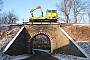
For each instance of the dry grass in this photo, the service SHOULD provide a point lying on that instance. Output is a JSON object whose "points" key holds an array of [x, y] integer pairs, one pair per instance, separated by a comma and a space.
{"points": [[78, 33]]}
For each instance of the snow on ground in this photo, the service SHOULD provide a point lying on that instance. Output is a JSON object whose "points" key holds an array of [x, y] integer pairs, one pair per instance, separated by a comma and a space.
{"points": [[8, 37], [69, 57], [7, 57], [4, 42], [85, 46], [42, 50]]}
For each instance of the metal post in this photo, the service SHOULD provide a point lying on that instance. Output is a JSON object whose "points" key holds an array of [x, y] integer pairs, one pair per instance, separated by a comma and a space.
{"points": [[23, 21], [32, 22]]}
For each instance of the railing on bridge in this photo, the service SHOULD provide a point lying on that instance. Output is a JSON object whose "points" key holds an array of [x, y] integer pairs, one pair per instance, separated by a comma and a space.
{"points": [[26, 21]]}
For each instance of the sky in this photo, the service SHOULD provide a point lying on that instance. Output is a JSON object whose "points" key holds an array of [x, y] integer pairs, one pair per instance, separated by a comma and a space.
{"points": [[22, 7]]}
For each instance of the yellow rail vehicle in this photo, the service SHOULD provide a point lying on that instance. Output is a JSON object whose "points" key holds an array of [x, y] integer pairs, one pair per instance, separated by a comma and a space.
{"points": [[51, 15]]}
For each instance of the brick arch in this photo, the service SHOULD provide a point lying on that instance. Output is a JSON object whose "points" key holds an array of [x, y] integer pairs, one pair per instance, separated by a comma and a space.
{"points": [[47, 35], [44, 33]]}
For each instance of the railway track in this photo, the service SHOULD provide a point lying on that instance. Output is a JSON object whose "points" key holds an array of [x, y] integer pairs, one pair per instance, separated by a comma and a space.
{"points": [[38, 23]]}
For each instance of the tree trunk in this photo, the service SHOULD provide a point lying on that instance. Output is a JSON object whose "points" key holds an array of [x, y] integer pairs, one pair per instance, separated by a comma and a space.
{"points": [[67, 18], [75, 18]]}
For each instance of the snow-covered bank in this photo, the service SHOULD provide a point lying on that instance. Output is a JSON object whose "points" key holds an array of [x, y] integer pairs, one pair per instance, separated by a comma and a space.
{"points": [[85, 46], [7, 57], [4, 42], [69, 57], [9, 34]]}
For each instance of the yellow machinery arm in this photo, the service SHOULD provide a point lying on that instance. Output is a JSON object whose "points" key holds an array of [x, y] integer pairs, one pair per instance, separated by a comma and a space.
{"points": [[37, 7]]}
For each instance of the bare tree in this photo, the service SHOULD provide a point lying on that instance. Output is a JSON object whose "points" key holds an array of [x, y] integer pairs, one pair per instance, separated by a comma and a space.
{"points": [[65, 7], [79, 8], [75, 8], [1, 5], [4, 19], [12, 18], [9, 18]]}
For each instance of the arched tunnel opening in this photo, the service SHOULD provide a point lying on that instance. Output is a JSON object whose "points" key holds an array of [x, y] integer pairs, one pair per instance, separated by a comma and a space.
{"points": [[40, 42]]}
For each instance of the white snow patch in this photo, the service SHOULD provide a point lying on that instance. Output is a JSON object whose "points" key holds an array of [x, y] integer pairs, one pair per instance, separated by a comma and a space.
{"points": [[69, 57], [85, 46], [60, 58], [81, 24], [7, 57], [42, 50]]}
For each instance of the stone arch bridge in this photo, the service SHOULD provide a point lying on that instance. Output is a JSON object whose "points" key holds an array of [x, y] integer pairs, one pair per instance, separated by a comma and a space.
{"points": [[58, 40]]}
